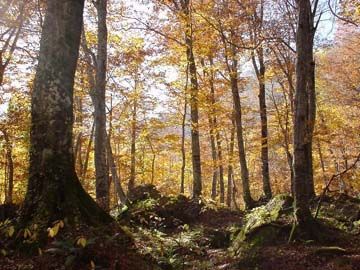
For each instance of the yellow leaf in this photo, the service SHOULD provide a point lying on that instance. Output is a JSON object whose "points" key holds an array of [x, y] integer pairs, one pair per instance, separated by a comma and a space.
{"points": [[40, 251], [11, 231], [54, 230], [3, 252], [81, 242]]}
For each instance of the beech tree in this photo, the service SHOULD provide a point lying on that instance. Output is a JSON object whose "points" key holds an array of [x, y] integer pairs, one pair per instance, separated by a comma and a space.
{"points": [[305, 109], [54, 191]]}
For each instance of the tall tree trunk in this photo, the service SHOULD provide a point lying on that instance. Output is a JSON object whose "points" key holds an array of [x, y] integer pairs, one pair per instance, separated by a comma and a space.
{"points": [[214, 159], [284, 127], [303, 127], [54, 191], [10, 168], [212, 121], [217, 133], [152, 160], [194, 106], [220, 165], [131, 184], [87, 154], [115, 176], [249, 203], [183, 150], [231, 187], [260, 73], [102, 177]]}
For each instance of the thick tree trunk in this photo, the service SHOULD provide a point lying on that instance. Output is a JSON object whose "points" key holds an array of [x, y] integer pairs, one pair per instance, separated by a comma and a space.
{"points": [[102, 177], [54, 191], [302, 126]]}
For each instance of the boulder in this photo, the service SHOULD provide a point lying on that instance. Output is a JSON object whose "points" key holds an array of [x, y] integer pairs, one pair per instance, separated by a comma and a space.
{"points": [[263, 224]]}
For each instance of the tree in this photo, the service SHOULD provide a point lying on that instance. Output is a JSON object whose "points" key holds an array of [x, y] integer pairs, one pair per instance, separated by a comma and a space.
{"points": [[98, 98], [304, 114], [258, 60], [10, 35], [54, 191], [194, 89]]}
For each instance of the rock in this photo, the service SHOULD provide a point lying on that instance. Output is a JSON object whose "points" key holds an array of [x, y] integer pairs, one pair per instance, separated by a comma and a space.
{"points": [[263, 224], [342, 211], [218, 238], [182, 208], [144, 192]]}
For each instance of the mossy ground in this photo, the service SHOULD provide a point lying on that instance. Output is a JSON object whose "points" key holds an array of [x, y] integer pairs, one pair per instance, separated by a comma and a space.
{"points": [[159, 232]]}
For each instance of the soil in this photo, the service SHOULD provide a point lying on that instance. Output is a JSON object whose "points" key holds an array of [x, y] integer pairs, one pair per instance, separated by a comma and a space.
{"points": [[159, 232]]}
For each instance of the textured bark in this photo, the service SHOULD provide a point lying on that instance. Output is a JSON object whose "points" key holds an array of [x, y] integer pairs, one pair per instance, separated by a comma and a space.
{"points": [[194, 107], [102, 177], [303, 128], [54, 191]]}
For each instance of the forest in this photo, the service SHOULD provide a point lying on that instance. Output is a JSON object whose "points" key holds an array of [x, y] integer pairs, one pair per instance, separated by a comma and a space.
{"points": [[180, 134]]}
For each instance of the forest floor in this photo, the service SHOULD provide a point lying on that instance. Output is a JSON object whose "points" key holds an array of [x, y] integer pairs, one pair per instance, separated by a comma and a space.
{"points": [[173, 232]]}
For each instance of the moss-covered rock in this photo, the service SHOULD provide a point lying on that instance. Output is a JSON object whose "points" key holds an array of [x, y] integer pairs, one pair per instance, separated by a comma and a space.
{"points": [[263, 224], [342, 211]]}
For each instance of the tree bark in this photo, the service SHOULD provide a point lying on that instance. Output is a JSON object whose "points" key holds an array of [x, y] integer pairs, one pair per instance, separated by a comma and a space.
{"points": [[183, 152], [249, 202], [131, 184], [102, 177], [54, 191], [260, 73], [10, 168], [303, 128], [115, 176], [231, 187], [194, 110], [87, 154]]}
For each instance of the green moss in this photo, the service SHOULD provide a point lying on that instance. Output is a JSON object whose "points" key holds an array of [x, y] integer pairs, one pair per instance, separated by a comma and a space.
{"points": [[259, 227]]}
